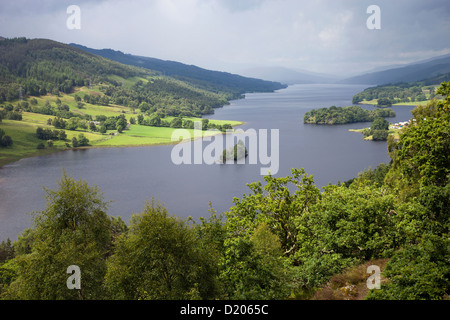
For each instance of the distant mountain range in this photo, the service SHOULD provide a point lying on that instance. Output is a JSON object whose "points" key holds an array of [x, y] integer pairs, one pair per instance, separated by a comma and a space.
{"points": [[432, 68], [272, 78], [289, 76], [19, 56], [417, 71]]}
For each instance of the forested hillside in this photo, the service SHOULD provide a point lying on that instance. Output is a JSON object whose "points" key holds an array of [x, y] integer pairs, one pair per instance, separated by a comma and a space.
{"points": [[286, 239], [37, 67], [412, 72], [406, 92], [231, 84]]}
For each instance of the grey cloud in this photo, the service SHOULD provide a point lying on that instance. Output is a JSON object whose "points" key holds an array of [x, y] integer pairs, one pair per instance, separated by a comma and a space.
{"points": [[241, 5], [327, 36]]}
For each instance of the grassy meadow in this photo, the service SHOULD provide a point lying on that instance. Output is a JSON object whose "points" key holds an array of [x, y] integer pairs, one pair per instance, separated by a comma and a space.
{"points": [[23, 133], [415, 103]]}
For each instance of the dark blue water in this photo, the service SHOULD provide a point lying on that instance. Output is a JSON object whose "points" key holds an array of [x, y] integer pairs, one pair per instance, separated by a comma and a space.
{"points": [[130, 176]]}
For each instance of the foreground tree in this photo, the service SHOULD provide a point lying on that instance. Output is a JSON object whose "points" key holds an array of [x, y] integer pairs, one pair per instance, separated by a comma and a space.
{"points": [[420, 162], [281, 203], [417, 272], [254, 266], [268, 218], [419, 175], [73, 230], [160, 257]]}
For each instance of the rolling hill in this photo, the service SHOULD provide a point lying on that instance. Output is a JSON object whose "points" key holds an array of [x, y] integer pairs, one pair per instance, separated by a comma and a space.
{"points": [[412, 72], [35, 67], [216, 81], [415, 92], [289, 76]]}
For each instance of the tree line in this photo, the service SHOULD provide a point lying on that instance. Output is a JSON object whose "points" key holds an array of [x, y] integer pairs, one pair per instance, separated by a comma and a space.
{"points": [[157, 120], [379, 129], [342, 115], [232, 86]]}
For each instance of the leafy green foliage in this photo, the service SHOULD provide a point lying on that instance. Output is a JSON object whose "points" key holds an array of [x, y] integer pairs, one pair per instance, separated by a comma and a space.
{"points": [[5, 140], [355, 222], [421, 157], [46, 134], [380, 135], [6, 250], [379, 129], [372, 176], [82, 140], [417, 272], [379, 124], [384, 102], [8, 274], [159, 258], [420, 177], [254, 267], [275, 205], [72, 230]]}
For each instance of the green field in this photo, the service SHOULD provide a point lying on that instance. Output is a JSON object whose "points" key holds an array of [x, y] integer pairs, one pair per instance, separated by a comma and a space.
{"points": [[394, 132], [25, 141], [139, 135], [415, 103], [23, 133]]}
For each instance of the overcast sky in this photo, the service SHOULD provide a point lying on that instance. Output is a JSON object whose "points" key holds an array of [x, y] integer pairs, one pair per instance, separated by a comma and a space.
{"points": [[326, 36]]}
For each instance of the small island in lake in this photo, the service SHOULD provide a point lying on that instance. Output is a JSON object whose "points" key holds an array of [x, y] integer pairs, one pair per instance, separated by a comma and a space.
{"points": [[378, 130], [238, 151], [343, 115]]}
